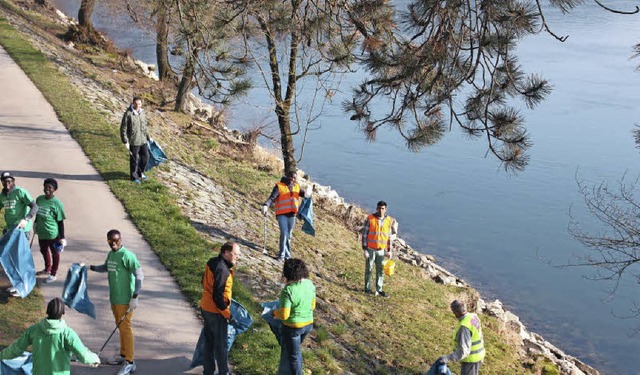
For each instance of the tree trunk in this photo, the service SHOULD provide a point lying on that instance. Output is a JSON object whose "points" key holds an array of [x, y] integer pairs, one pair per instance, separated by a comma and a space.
{"points": [[85, 13], [186, 83], [162, 41], [286, 139]]}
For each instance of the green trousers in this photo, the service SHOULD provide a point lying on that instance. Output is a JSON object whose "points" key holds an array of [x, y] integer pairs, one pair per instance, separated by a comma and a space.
{"points": [[377, 257]]}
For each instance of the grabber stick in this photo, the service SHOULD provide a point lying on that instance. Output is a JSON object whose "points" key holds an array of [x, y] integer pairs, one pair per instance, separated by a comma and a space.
{"points": [[114, 331], [264, 248]]}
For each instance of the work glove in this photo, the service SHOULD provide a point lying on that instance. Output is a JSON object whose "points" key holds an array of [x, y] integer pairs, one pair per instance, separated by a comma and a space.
{"points": [[133, 303], [150, 139], [265, 209], [63, 242], [366, 254], [126, 145], [389, 254], [92, 267], [308, 191], [22, 224]]}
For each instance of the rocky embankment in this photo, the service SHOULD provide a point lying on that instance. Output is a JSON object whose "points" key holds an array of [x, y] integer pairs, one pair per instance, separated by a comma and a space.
{"points": [[221, 213]]}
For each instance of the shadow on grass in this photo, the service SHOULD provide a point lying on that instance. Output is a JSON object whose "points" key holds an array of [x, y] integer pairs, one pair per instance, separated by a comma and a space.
{"points": [[217, 232]]}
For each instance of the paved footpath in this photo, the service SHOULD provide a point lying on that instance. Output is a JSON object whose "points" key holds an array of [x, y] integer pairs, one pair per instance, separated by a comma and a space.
{"points": [[35, 145]]}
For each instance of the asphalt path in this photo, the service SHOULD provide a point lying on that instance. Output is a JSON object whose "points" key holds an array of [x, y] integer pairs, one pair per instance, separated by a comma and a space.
{"points": [[34, 145]]}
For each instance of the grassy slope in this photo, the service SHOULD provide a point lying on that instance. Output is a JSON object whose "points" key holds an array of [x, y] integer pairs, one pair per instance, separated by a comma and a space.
{"points": [[354, 332]]}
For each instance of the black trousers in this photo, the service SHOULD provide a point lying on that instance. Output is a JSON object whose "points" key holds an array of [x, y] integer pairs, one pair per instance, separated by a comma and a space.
{"points": [[138, 159]]}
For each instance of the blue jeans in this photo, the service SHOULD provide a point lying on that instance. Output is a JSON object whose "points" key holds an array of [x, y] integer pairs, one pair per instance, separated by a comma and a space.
{"points": [[290, 351], [286, 224], [215, 344]]}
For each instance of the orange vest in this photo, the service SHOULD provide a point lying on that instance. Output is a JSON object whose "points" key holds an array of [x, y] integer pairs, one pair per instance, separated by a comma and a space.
{"points": [[378, 236], [287, 201]]}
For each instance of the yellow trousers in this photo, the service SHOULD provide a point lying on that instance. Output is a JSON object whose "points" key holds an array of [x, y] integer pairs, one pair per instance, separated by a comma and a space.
{"points": [[126, 330]]}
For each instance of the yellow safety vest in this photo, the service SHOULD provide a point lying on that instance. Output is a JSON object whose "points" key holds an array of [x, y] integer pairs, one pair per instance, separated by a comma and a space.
{"points": [[378, 236], [287, 201], [472, 323]]}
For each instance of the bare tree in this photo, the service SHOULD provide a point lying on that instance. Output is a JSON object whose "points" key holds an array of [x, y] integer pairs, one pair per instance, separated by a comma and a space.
{"points": [[295, 40], [614, 250], [617, 246], [85, 13], [162, 27], [455, 62], [205, 28], [153, 16]]}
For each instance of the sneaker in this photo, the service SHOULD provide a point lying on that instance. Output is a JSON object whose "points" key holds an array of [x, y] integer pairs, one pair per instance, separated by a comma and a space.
{"points": [[117, 359], [50, 279], [144, 177], [368, 291], [13, 292], [43, 272], [137, 181], [382, 294], [127, 368]]}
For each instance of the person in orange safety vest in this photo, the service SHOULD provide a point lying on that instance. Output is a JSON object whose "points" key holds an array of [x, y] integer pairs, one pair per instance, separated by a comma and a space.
{"points": [[378, 232], [285, 196]]}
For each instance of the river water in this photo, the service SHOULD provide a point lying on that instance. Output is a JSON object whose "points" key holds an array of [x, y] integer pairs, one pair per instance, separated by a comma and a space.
{"points": [[496, 230]]}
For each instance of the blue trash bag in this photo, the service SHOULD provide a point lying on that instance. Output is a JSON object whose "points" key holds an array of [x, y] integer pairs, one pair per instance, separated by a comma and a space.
{"points": [[267, 314], [74, 292], [242, 320], [22, 365], [156, 155], [439, 368], [305, 213], [16, 259]]}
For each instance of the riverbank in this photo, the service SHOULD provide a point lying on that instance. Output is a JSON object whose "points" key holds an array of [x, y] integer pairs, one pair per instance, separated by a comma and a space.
{"points": [[218, 181]]}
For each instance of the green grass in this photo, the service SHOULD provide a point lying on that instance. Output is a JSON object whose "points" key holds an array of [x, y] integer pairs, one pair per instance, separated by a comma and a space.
{"points": [[355, 332]]}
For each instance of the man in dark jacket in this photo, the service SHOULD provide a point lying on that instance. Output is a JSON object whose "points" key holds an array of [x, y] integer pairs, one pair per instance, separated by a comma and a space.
{"points": [[215, 304], [134, 134]]}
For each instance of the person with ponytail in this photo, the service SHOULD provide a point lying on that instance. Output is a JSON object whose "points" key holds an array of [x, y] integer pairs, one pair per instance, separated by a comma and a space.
{"points": [[52, 342]]}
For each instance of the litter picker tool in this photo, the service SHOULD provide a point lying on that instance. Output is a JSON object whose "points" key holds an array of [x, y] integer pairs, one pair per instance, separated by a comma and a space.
{"points": [[264, 248], [114, 331]]}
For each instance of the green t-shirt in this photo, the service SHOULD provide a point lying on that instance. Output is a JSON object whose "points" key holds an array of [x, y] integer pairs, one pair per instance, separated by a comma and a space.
{"points": [[50, 211], [16, 207], [299, 298], [121, 265]]}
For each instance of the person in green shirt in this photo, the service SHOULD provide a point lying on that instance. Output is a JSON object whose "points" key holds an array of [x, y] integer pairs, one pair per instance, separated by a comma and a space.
{"points": [[49, 226], [19, 208], [297, 302], [52, 343], [125, 283]]}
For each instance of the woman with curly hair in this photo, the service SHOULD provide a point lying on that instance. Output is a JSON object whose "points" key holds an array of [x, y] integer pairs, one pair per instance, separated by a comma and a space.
{"points": [[297, 302]]}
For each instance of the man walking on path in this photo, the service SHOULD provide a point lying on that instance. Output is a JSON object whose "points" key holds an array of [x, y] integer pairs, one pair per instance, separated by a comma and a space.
{"points": [[52, 342], [49, 226], [376, 244], [215, 304], [286, 196], [467, 340], [125, 283], [134, 134]]}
